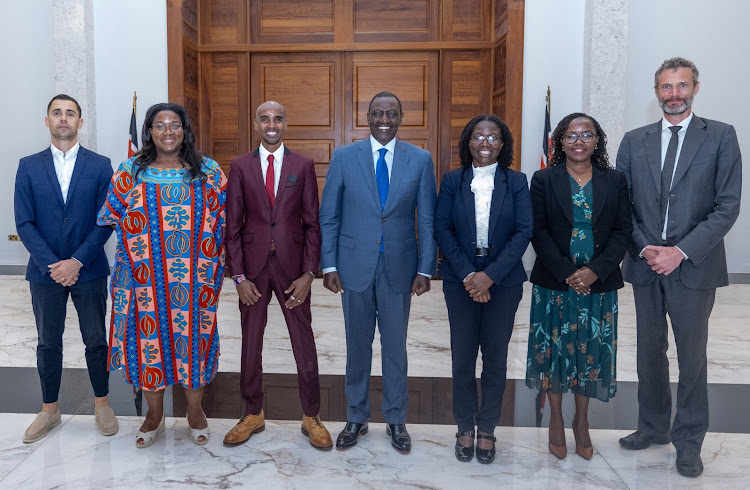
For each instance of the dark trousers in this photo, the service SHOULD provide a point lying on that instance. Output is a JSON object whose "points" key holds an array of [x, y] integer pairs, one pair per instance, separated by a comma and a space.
{"points": [[688, 310], [49, 303], [299, 323], [391, 311], [473, 326]]}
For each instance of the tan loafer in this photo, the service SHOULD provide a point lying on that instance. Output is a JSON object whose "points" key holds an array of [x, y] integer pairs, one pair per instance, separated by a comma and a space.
{"points": [[41, 426], [106, 422], [314, 429], [248, 425]]}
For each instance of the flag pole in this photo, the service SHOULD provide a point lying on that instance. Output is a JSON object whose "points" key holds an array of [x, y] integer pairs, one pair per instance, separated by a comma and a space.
{"points": [[135, 97], [548, 99]]}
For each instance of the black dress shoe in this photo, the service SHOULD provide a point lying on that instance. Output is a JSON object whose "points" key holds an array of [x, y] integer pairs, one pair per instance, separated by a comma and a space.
{"points": [[689, 463], [641, 440], [350, 435], [486, 456], [464, 453], [400, 439]]}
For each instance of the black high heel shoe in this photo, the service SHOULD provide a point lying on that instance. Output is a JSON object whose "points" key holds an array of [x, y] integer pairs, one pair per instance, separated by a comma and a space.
{"points": [[486, 456], [464, 453]]}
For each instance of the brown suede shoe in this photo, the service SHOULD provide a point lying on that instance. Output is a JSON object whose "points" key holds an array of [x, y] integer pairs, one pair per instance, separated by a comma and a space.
{"points": [[319, 436], [41, 426], [248, 425]]}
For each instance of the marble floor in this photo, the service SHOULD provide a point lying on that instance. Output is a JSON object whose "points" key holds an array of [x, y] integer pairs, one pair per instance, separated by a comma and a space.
{"points": [[75, 455], [428, 340]]}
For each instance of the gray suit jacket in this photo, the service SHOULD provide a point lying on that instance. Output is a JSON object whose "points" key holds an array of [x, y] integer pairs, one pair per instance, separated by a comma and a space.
{"points": [[704, 203], [352, 222]]}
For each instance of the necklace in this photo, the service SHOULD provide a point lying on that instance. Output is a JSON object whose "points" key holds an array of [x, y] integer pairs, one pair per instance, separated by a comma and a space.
{"points": [[579, 178]]}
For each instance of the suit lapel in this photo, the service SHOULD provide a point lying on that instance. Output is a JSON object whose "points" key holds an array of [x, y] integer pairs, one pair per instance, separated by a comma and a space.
{"points": [[693, 141], [601, 189], [77, 171], [466, 176], [257, 176], [366, 165], [49, 164], [286, 168], [398, 170], [652, 145], [561, 188], [498, 195]]}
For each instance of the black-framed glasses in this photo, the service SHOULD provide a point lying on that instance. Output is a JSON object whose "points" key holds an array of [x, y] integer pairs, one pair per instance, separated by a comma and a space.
{"points": [[571, 138], [175, 127], [479, 138], [377, 114]]}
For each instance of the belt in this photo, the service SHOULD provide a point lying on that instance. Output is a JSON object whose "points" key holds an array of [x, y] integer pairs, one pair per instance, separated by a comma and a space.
{"points": [[483, 251]]}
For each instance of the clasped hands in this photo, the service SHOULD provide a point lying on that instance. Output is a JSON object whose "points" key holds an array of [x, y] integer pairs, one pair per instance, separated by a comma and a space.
{"points": [[297, 291], [663, 260], [581, 280], [419, 286], [65, 272], [477, 284]]}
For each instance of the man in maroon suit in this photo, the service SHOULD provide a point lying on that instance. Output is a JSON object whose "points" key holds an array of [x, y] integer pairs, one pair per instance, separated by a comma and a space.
{"points": [[273, 245]]}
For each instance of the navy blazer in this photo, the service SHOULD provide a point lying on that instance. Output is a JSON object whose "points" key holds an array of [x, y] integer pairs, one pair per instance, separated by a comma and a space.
{"points": [[553, 225], [511, 226], [53, 230]]}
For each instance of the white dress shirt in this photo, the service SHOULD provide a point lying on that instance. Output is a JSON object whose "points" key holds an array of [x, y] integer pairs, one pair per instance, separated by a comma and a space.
{"points": [[64, 165], [482, 185], [278, 157]]}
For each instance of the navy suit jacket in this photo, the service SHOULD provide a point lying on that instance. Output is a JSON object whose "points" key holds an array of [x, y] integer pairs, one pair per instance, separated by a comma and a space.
{"points": [[511, 226], [53, 230], [352, 221]]}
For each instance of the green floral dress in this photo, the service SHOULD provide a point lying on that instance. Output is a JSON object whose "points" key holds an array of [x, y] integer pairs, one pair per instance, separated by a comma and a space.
{"points": [[573, 337]]}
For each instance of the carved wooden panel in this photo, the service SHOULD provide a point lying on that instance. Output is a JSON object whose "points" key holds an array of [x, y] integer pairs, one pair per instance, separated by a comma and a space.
{"points": [[190, 20], [191, 87], [292, 21], [395, 20], [467, 20], [223, 22], [225, 106]]}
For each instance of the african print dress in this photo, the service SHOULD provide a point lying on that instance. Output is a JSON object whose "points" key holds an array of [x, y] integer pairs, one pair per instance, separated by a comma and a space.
{"points": [[573, 337], [167, 275]]}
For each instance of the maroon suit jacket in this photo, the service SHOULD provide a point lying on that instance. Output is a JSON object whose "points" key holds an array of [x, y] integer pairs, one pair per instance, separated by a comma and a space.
{"points": [[292, 224]]}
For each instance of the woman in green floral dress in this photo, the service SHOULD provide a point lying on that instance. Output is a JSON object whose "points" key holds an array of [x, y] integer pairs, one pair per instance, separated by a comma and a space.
{"points": [[582, 228]]}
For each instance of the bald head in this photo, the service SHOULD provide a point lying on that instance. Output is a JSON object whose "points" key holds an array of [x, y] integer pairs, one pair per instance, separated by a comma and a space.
{"points": [[270, 122]]}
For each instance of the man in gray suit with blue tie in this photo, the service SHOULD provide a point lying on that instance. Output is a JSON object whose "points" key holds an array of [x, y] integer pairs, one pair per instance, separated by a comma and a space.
{"points": [[371, 254], [685, 178]]}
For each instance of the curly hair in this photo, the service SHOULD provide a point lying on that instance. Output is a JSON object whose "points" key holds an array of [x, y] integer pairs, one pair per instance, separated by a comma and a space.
{"points": [[504, 159], [189, 154], [599, 157]]}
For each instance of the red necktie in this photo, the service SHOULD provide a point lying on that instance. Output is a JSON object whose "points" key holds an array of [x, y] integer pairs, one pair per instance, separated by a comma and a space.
{"points": [[270, 181]]}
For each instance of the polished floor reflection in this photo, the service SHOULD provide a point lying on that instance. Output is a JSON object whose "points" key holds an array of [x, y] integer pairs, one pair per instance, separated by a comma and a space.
{"points": [[75, 455]]}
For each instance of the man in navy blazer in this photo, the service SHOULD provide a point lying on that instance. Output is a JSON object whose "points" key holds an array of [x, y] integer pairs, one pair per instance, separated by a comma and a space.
{"points": [[57, 196], [370, 253]]}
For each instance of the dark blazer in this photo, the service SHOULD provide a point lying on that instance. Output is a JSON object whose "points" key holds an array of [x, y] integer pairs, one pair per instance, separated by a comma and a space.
{"points": [[553, 224], [704, 205], [292, 224], [511, 226], [53, 230]]}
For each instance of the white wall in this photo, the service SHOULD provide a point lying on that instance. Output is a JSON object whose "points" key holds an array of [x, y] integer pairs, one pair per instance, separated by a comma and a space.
{"points": [[715, 36], [27, 84]]}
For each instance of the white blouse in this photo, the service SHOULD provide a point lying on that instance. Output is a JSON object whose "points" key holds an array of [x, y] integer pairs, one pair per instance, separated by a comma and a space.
{"points": [[482, 185]]}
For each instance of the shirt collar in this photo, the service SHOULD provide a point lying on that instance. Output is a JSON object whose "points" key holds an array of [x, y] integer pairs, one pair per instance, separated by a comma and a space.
{"points": [[683, 124], [489, 169], [277, 155], [72, 153], [375, 144]]}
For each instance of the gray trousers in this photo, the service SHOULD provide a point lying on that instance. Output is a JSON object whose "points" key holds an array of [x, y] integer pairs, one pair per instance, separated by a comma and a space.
{"points": [[688, 311]]}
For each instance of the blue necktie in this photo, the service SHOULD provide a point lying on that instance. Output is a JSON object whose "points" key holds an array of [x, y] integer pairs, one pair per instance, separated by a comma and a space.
{"points": [[381, 176]]}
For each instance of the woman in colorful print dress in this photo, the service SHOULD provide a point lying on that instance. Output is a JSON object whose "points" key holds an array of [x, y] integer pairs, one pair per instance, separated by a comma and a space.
{"points": [[582, 228], [167, 206]]}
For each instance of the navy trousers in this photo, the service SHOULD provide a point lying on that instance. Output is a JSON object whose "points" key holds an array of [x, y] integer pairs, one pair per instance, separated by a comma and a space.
{"points": [[473, 326], [49, 303]]}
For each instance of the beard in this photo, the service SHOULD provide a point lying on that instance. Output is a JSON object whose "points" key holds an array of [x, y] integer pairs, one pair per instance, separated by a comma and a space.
{"points": [[672, 110]]}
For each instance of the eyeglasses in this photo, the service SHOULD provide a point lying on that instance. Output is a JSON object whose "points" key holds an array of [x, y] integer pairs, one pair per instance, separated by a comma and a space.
{"points": [[571, 138], [175, 127], [491, 139], [389, 114]]}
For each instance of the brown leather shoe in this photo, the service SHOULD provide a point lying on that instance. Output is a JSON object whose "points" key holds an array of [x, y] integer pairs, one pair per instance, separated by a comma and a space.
{"points": [[319, 436], [248, 425]]}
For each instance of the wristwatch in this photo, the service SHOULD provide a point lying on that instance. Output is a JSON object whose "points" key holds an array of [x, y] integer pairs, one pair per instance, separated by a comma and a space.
{"points": [[312, 273]]}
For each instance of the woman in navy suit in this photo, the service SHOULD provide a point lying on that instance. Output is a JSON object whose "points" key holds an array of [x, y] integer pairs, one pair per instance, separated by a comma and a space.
{"points": [[483, 224]]}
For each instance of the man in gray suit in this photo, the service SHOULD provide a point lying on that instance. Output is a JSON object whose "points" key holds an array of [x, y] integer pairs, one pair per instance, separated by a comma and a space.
{"points": [[685, 178], [371, 255]]}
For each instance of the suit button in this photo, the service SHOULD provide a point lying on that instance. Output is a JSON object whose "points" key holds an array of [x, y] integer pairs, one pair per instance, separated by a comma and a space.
{"points": [[273, 224], [378, 242], [383, 220], [65, 220]]}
